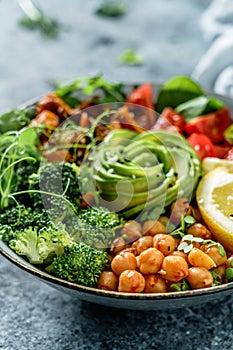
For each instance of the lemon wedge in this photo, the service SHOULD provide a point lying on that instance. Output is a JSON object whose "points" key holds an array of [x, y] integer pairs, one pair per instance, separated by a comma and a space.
{"points": [[215, 201], [211, 163]]}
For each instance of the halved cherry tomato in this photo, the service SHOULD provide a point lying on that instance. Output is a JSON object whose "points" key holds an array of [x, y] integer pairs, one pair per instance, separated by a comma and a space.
{"points": [[212, 124], [143, 96], [176, 119], [221, 150], [229, 154], [202, 145]]}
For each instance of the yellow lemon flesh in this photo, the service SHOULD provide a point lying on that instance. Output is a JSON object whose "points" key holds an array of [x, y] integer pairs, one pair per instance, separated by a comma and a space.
{"points": [[215, 201]]}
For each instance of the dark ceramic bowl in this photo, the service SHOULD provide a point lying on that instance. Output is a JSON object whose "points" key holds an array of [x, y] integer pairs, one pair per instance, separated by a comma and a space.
{"points": [[135, 301]]}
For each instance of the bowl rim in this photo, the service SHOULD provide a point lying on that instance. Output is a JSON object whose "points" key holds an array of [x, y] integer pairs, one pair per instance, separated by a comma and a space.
{"points": [[21, 263]]}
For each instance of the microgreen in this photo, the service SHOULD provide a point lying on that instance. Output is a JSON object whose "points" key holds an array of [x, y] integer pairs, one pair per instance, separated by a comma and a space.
{"points": [[35, 18], [130, 57], [186, 222], [229, 273], [112, 9], [216, 277], [180, 286]]}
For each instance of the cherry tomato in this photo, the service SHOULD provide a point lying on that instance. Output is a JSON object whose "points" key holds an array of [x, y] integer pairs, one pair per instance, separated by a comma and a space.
{"points": [[202, 145], [221, 150], [229, 154], [212, 124], [176, 119], [143, 96]]}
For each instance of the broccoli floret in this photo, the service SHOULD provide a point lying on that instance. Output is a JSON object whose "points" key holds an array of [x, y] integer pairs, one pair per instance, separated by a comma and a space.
{"points": [[95, 226], [20, 218], [40, 246], [80, 263], [26, 243], [55, 178], [51, 242], [6, 233]]}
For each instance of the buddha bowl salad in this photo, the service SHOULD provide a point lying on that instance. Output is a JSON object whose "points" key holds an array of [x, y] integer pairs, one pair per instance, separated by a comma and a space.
{"points": [[112, 187]]}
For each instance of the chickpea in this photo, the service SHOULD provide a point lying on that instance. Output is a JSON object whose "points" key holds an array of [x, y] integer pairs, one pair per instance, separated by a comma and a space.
{"points": [[153, 227], [165, 243], [117, 245], [199, 230], [144, 243], [197, 257], [199, 277], [174, 268], [108, 281], [178, 209], [138, 263], [180, 253], [123, 261], [131, 281], [131, 231], [155, 284], [214, 254], [150, 261]]}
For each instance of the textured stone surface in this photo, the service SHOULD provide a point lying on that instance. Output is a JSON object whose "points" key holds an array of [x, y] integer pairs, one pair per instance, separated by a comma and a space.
{"points": [[34, 316]]}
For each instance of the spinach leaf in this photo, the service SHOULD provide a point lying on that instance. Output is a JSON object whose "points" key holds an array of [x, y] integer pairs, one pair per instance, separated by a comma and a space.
{"points": [[199, 106], [176, 91], [16, 119]]}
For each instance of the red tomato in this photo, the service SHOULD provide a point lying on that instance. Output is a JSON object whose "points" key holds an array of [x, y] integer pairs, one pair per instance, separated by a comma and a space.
{"points": [[212, 124], [143, 96], [176, 119], [229, 154], [221, 150], [202, 145]]}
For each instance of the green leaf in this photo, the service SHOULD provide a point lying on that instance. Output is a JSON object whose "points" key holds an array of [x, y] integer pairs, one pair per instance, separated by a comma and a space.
{"points": [[221, 250], [28, 137], [130, 57], [199, 106], [112, 9], [189, 220], [229, 273], [228, 134], [176, 91], [182, 246]]}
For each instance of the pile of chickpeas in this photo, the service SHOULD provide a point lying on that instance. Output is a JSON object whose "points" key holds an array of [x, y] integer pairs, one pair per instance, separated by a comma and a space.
{"points": [[146, 259]]}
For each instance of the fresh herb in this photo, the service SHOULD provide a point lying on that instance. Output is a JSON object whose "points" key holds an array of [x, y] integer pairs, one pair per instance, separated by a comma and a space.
{"points": [[76, 92], [228, 135], [199, 106], [112, 9], [216, 277], [187, 244], [186, 222], [229, 273], [16, 119], [130, 57], [180, 286], [35, 18]]}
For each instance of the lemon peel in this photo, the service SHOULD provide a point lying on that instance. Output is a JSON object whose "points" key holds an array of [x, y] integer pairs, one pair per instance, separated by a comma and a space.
{"points": [[215, 201]]}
